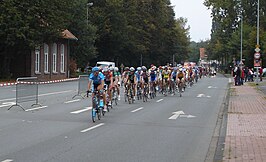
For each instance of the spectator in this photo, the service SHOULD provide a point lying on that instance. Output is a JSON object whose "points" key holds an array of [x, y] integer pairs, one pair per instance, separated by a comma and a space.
{"points": [[246, 73], [260, 73]]}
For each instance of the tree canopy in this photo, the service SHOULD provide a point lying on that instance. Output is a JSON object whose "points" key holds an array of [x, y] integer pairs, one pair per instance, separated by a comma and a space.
{"points": [[225, 43], [124, 31]]}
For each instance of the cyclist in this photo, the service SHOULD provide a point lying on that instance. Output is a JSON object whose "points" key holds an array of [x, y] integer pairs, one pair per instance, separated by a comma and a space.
{"points": [[166, 77], [116, 80], [124, 76], [153, 79], [97, 79], [174, 78], [108, 79], [180, 76], [138, 77], [144, 79], [131, 80]]}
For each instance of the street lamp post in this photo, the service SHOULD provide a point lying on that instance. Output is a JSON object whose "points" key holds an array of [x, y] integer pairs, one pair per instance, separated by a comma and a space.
{"points": [[241, 48], [258, 38], [88, 5]]}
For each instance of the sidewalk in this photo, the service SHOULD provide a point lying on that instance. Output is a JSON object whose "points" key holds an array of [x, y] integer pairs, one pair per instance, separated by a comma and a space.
{"points": [[246, 126]]}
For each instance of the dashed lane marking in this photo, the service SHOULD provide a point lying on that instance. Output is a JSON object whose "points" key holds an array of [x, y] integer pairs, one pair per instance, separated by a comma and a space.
{"points": [[82, 110], [159, 100], [91, 128], [36, 108], [7, 160], [71, 101], [137, 109]]}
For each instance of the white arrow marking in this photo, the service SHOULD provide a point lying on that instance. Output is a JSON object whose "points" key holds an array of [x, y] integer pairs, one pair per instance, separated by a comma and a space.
{"points": [[159, 100], [201, 95], [37, 108], [187, 116], [72, 101], [137, 109], [176, 114], [82, 110], [91, 128]]}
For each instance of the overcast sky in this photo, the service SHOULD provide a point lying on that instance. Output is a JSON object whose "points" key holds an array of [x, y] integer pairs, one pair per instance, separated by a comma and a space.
{"points": [[198, 16]]}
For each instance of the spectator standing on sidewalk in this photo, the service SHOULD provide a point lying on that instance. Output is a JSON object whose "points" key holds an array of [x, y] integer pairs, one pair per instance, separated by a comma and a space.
{"points": [[260, 72], [242, 76], [246, 73]]}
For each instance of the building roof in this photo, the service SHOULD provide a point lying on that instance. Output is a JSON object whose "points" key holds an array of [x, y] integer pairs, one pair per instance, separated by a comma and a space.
{"points": [[66, 34]]}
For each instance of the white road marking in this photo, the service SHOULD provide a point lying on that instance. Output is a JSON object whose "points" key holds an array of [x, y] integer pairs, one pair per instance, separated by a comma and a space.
{"points": [[176, 114], [82, 110], [159, 100], [137, 109], [36, 108], [201, 95], [53, 93], [7, 160], [4, 104], [45, 94], [230, 80], [72, 101], [91, 128]]}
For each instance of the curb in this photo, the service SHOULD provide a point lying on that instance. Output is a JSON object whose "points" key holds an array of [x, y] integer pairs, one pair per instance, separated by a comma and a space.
{"points": [[46, 82]]}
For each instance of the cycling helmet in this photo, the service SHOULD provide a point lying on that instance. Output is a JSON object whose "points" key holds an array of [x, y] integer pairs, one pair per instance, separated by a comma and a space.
{"points": [[175, 68], [116, 68], [139, 68], [94, 69], [144, 68], [126, 68], [132, 69]]}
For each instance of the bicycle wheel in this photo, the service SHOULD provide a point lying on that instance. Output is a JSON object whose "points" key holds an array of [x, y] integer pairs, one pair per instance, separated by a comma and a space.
{"points": [[98, 112], [93, 114]]}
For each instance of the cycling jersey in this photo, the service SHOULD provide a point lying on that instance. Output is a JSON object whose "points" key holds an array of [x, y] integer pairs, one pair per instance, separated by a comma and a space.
{"points": [[173, 75], [138, 74], [166, 74], [107, 76], [153, 76], [131, 77], [145, 77], [96, 79]]}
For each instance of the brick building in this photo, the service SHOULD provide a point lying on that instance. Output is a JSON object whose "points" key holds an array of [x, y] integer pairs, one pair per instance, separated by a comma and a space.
{"points": [[47, 62]]}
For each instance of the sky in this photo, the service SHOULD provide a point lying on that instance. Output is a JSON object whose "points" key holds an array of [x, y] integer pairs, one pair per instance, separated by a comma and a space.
{"points": [[198, 16]]}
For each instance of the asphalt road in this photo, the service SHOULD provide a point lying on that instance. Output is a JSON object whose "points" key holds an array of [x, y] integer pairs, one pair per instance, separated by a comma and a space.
{"points": [[164, 129]]}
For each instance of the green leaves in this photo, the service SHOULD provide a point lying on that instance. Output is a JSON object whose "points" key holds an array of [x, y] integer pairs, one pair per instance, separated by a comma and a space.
{"points": [[226, 32]]}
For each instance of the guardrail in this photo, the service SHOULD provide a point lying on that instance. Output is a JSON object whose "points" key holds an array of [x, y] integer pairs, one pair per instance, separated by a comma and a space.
{"points": [[82, 86], [26, 90]]}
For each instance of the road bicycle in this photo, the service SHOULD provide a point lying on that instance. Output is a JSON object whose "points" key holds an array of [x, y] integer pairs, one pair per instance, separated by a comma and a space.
{"points": [[180, 88], [97, 106], [152, 90], [114, 96], [139, 95], [145, 92]]}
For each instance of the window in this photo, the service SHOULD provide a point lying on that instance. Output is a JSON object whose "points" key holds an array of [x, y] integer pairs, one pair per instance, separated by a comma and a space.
{"points": [[37, 60], [54, 57], [46, 58], [62, 63]]}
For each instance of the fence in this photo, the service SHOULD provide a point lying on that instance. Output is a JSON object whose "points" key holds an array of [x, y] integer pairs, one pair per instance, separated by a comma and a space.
{"points": [[26, 90], [82, 85]]}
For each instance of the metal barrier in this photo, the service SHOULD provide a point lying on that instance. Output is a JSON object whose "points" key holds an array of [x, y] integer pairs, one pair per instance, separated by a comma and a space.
{"points": [[82, 85], [26, 90]]}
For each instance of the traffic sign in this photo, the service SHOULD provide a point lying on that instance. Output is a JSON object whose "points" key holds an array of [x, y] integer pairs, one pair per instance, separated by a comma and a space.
{"points": [[257, 55], [257, 50]]}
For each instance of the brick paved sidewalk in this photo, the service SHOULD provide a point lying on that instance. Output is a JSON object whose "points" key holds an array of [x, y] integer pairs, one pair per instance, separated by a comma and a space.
{"points": [[246, 127]]}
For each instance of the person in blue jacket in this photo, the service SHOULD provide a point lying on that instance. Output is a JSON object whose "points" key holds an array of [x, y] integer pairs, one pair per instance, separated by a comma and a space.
{"points": [[96, 78]]}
